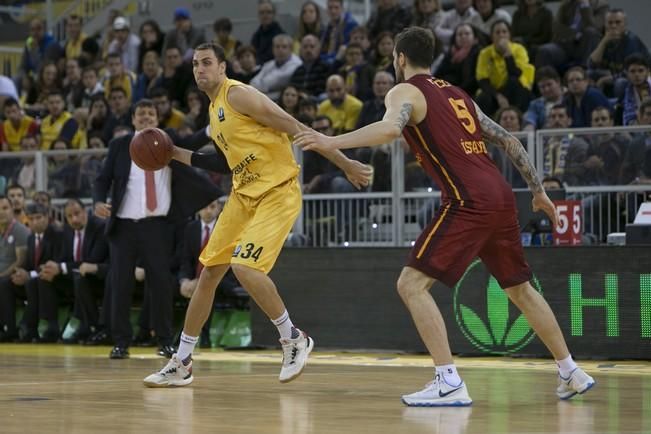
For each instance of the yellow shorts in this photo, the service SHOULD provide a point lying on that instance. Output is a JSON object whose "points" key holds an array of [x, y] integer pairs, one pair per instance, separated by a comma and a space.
{"points": [[252, 231]]}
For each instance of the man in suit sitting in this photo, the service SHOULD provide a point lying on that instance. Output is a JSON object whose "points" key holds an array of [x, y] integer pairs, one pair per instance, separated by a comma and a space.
{"points": [[139, 226], [197, 234], [43, 245], [83, 264]]}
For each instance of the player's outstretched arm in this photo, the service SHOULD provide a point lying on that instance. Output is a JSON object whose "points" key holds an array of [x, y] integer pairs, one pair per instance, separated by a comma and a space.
{"points": [[497, 135], [399, 102]]}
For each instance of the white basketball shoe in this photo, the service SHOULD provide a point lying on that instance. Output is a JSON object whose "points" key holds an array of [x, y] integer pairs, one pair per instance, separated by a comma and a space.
{"points": [[578, 382], [295, 352], [438, 393], [174, 374]]}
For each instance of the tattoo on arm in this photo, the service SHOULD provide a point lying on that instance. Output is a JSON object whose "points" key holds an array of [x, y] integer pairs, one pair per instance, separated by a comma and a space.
{"points": [[405, 114], [495, 134]]}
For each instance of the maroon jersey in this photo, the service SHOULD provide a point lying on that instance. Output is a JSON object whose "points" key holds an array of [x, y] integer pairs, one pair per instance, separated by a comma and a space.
{"points": [[449, 146]]}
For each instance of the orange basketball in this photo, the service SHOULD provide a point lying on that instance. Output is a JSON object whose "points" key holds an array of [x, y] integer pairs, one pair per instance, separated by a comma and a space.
{"points": [[151, 149]]}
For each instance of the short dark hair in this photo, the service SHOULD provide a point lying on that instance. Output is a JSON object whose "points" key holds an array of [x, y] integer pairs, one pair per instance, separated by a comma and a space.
{"points": [[3, 197], [560, 106], [417, 44], [553, 179], [89, 69], [158, 92], [636, 59], [216, 48], [55, 92], [500, 21], [576, 68], [245, 49], [547, 73], [10, 102], [36, 208], [144, 103], [117, 89], [600, 108], [114, 55], [42, 193], [224, 24], [16, 187], [72, 200]]}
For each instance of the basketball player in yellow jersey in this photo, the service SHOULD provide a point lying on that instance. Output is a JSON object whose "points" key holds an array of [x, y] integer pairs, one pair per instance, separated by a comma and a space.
{"points": [[252, 132]]}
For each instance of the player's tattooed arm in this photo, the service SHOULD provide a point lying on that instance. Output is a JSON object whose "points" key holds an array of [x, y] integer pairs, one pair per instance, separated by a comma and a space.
{"points": [[494, 133], [404, 115]]}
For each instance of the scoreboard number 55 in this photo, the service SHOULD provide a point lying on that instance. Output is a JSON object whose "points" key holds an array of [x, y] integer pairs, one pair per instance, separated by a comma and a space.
{"points": [[570, 223]]}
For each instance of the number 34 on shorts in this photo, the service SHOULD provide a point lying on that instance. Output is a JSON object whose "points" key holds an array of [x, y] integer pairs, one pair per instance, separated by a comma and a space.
{"points": [[249, 251]]}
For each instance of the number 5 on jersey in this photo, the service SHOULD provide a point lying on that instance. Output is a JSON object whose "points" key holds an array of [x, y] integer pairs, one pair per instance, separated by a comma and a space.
{"points": [[463, 114]]}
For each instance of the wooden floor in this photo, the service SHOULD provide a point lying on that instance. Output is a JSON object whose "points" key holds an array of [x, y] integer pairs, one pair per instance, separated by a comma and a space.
{"points": [[71, 389]]}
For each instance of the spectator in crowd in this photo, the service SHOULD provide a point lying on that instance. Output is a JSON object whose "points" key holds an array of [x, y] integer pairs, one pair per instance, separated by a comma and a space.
{"points": [[43, 198], [125, 44], [91, 54], [91, 84], [262, 39], [73, 88], [638, 86], [245, 68], [139, 228], [311, 76], [607, 62], [359, 35], [16, 194], [184, 35], [81, 265], [118, 76], [13, 252], [341, 108], [563, 155], [307, 108], [168, 116], [74, 37], [40, 47], [606, 151], [28, 95], [488, 12], [383, 53], [63, 171], [551, 94], [390, 16], [120, 113], [357, 73], [637, 153], [7, 89], [337, 32], [151, 39], [532, 25], [309, 23], [49, 80], [43, 245], [150, 77], [510, 118], [373, 110], [15, 126], [106, 34], [574, 36], [504, 73], [24, 173], [223, 27], [581, 98], [276, 73], [463, 12], [98, 114], [177, 74], [197, 103], [459, 64], [90, 165], [289, 99], [426, 14], [59, 124]]}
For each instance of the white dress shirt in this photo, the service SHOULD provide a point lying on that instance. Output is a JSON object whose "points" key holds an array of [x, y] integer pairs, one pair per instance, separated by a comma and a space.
{"points": [[134, 203]]}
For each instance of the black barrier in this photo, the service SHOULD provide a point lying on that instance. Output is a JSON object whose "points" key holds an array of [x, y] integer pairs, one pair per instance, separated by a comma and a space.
{"points": [[346, 298]]}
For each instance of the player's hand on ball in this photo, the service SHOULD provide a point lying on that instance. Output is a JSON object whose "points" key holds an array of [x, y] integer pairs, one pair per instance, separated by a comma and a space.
{"points": [[311, 140], [541, 202], [359, 174]]}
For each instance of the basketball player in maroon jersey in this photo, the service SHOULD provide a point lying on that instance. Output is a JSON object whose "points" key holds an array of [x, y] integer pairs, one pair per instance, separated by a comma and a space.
{"points": [[448, 133]]}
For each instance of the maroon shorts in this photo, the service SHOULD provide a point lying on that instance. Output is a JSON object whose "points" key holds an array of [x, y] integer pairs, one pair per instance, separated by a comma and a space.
{"points": [[457, 235]]}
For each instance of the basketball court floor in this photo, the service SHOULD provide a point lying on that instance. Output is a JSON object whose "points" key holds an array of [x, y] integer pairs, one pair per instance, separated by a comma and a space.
{"points": [[73, 389]]}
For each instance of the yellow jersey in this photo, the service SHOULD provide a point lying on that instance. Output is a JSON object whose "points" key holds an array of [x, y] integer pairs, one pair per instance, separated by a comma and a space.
{"points": [[12, 136], [260, 157]]}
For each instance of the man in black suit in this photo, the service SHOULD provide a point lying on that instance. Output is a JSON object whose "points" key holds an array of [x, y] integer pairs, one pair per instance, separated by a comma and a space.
{"points": [[83, 264], [140, 226], [43, 245], [196, 236]]}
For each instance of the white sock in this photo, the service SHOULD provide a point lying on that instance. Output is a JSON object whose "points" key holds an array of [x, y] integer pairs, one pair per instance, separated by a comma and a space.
{"points": [[566, 366], [186, 347], [449, 374], [285, 326]]}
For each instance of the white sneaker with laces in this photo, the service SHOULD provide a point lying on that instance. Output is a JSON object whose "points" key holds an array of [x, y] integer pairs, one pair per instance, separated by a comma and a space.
{"points": [[174, 374], [438, 393], [295, 352], [578, 382]]}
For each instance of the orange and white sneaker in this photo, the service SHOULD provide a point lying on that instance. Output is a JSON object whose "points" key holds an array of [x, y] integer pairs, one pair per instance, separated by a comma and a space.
{"points": [[174, 374], [295, 352], [578, 382]]}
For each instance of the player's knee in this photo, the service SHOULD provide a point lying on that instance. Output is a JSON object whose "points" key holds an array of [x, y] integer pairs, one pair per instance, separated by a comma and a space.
{"points": [[242, 272], [407, 287], [519, 293]]}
